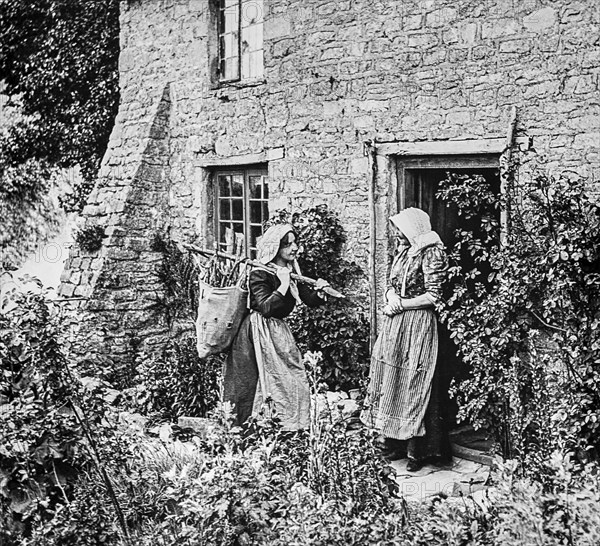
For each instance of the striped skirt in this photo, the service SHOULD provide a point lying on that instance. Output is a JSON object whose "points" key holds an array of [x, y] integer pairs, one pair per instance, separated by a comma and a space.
{"points": [[402, 367]]}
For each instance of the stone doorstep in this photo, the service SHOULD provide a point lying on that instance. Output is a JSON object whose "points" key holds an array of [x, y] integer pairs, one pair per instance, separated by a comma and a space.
{"points": [[470, 454], [459, 478], [472, 445]]}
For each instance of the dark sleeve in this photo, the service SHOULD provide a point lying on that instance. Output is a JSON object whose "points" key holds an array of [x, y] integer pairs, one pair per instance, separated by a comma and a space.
{"points": [[309, 296], [265, 297], [435, 268]]}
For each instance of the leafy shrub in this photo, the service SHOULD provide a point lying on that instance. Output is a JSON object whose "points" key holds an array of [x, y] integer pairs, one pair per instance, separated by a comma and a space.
{"points": [[54, 425], [323, 487], [525, 318], [174, 381], [258, 488], [339, 329], [178, 272], [90, 238], [40, 438], [59, 67], [87, 520], [234, 488]]}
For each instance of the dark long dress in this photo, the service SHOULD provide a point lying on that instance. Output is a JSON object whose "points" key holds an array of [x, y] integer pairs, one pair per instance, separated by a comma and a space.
{"points": [[264, 370]]}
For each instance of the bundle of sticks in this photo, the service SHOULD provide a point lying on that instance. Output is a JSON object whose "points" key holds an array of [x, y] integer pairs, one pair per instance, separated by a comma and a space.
{"points": [[219, 272]]}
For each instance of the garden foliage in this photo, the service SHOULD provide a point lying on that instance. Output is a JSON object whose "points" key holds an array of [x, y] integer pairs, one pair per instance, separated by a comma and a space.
{"points": [[178, 273], [90, 238], [172, 381], [75, 471], [526, 315], [338, 329], [49, 418], [58, 60]]}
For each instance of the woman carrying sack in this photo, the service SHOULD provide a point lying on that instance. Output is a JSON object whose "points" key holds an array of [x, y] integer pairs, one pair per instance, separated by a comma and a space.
{"points": [[264, 369], [403, 398]]}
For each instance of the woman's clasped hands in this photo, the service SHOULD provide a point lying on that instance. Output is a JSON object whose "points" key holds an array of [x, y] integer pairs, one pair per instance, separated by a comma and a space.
{"points": [[394, 304]]}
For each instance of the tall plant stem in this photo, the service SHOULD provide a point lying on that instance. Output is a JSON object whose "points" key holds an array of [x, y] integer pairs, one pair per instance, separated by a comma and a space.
{"points": [[100, 467]]}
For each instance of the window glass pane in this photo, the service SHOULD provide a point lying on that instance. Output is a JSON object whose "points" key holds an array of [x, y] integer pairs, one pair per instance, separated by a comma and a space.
{"points": [[224, 186], [265, 187], [265, 210], [255, 187], [255, 233], [237, 207], [229, 240], [245, 66], [252, 37], [252, 63], [255, 212], [238, 227], [237, 185], [224, 209], [230, 69], [230, 17], [229, 45], [256, 64], [223, 228]]}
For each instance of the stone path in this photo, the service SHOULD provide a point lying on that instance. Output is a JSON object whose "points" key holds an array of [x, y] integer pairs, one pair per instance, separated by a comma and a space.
{"points": [[461, 477]]}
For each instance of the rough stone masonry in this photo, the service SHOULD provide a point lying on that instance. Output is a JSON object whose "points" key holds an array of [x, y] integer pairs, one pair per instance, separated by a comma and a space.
{"points": [[421, 77]]}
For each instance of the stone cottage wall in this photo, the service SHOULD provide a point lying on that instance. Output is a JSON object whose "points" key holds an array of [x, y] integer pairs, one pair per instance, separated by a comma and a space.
{"points": [[337, 74]]}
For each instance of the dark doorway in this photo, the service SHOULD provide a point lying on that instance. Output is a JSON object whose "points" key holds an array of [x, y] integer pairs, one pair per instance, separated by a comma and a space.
{"points": [[418, 182]]}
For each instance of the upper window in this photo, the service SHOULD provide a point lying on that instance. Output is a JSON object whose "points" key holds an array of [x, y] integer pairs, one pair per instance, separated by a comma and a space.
{"points": [[242, 199], [240, 40]]}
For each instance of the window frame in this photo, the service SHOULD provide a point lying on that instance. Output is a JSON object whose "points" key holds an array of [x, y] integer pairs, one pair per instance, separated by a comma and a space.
{"points": [[245, 171], [221, 9]]}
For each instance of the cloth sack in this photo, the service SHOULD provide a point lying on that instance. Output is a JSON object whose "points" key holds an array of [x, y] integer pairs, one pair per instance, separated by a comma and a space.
{"points": [[220, 314]]}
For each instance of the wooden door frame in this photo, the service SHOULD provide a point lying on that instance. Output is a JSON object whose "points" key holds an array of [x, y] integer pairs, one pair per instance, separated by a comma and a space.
{"points": [[450, 162]]}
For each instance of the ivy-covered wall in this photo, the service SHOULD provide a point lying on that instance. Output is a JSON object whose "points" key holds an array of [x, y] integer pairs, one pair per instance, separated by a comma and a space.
{"points": [[337, 74]]}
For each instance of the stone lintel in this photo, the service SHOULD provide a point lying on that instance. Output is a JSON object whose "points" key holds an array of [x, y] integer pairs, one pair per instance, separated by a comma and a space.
{"points": [[445, 147], [232, 161]]}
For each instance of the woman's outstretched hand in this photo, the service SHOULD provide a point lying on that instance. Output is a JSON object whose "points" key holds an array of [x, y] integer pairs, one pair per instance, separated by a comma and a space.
{"points": [[321, 283]]}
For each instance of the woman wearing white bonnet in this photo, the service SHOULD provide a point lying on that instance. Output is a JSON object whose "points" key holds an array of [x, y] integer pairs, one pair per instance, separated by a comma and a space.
{"points": [[404, 357], [264, 371]]}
